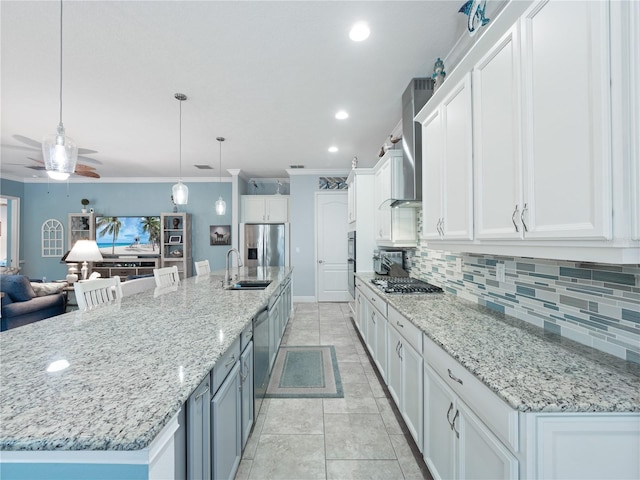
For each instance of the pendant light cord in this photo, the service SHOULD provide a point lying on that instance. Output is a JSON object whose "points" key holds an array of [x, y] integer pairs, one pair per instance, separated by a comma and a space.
{"points": [[60, 62], [180, 142]]}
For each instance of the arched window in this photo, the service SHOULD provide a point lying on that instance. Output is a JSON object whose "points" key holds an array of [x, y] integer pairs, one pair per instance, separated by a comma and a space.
{"points": [[52, 238]]}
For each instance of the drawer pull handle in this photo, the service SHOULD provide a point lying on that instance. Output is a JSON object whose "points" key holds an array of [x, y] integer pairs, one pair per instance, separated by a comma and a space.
{"points": [[231, 361], [453, 377], [524, 210], [399, 324], [373, 318], [202, 393]]}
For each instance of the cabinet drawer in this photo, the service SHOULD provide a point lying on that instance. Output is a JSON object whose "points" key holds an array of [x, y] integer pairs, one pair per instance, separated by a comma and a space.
{"points": [[104, 272], [123, 272], [377, 301], [408, 330], [224, 365], [501, 419], [145, 271], [246, 336]]}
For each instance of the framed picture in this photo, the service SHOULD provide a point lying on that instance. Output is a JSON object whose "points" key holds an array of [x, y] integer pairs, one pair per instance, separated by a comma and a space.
{"points": [[220, 234], [175, 239]]}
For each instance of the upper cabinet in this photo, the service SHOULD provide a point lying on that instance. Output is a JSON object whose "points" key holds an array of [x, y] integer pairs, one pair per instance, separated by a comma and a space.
{"points": [[567, 121], [553, 153], [394, 227], [265, 208], [447, 167]]}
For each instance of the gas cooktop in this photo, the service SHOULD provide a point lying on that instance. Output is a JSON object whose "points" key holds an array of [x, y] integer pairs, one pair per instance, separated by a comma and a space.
{"points": [[404, 285]]}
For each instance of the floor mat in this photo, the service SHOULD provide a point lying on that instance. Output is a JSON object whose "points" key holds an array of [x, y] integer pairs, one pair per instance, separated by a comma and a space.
{"points": [[305, 372]]}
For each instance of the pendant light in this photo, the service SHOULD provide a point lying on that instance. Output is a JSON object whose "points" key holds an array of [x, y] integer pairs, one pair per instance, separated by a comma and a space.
{"points": [[60, 153], [221, 205], [180, 191]]}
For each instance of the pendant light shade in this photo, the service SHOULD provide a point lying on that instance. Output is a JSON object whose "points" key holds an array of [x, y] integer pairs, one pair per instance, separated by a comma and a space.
{"points": [[180, 191], [59, 152], [221, 205]]}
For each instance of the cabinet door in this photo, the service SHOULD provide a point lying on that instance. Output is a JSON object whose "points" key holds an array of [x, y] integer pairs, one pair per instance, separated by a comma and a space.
{"points": [[253, 209], [457, 169], [432, 159], [497, 154], [380, 357], [199, 432], [403, 225], [351, 200], [394, 365], [246, 389], [226, 434], [439, 440], [277, 209], [81, 227], [361, 313], [274, 332], [412, 392], [567, 121], [382, 213], [481, 455], [372, 320]]}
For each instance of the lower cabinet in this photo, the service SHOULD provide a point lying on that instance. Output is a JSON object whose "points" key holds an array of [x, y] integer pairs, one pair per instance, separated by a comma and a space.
{"points": [[246, 392], [404, 380], [199, 432], [226, 434], [456, 443]]}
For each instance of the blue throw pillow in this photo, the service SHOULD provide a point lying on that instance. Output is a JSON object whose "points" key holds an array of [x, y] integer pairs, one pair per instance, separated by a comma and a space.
{"points": [[17, 287]]}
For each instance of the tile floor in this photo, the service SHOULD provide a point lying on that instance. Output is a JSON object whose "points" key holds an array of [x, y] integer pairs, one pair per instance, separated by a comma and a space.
{"points": [[360, 436]]}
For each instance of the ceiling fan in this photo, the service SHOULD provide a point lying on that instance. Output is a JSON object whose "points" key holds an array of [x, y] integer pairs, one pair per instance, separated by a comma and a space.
{"points": [[81, 170]]}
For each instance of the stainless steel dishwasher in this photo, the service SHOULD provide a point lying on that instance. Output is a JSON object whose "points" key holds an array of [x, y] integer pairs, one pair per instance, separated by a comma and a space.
{"points": [[261, 370]]}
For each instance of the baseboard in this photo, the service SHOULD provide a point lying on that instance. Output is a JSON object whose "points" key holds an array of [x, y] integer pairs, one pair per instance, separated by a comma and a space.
{"points": [[300, 299]]}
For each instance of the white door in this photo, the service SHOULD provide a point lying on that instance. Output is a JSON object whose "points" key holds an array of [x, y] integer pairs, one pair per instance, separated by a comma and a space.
{"points": [[331, 247]]}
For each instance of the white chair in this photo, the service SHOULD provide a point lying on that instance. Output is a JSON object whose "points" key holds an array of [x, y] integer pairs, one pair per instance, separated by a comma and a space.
{"points": [[166, 276], [137, 285], [202, 267], [90, 293]]}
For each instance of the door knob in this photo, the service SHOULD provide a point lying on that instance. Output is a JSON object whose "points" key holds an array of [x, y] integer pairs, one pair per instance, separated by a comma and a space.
{"points": [[320, 261]]}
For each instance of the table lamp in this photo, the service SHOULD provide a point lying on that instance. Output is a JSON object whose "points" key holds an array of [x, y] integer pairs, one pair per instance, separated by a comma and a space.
{"points": [[85, 251]]}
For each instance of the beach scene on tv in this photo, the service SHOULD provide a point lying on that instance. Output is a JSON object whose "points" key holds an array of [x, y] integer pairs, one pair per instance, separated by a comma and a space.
{"points": [[128, 236]]}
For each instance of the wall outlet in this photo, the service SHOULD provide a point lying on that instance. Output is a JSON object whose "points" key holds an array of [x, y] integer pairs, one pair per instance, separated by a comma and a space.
{"points": [[459, 265], [500, 272]]}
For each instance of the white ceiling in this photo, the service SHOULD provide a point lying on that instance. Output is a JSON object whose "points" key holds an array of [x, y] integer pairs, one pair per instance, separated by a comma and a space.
{"points": [[268, 76]]}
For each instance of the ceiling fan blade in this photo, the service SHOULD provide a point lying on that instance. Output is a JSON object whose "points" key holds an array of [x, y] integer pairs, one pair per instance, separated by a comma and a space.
{"points": [[86, 151], [89, 160], [84, 173], [28, 141], [36, 160], [84, 168]]}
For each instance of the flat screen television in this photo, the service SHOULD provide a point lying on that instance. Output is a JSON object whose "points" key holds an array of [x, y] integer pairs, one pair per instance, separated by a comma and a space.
{"points": [[128, 236]]}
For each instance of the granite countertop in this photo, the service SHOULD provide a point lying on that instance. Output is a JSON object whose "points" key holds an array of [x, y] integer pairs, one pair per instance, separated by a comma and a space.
{"points": [[530, 369], [132, 364]]}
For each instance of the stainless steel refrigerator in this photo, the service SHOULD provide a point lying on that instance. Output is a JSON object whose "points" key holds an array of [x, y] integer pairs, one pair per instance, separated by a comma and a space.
{"points": [[265, 245]]}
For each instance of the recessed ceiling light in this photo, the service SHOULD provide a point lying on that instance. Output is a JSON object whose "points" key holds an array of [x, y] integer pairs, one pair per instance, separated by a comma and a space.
{"points": [[359, 32], [341, 115], [333, 149]]}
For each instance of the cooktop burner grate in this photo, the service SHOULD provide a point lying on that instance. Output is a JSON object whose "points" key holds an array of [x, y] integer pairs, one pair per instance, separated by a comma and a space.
{"points": [[404, 285]]}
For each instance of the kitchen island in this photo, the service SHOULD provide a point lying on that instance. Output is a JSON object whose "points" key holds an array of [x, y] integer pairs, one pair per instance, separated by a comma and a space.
{"points": [[132, 366]]}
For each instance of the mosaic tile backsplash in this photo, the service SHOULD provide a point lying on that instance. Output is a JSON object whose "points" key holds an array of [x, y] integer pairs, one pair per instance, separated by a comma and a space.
{"points": [[595, 304]]}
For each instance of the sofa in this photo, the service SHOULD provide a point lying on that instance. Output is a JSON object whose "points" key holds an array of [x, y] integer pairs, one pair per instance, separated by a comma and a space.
{"points": [[21, 304]]}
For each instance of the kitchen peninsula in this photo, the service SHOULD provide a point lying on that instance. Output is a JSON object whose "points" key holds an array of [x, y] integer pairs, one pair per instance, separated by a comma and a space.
{"points": [[132, 367]]}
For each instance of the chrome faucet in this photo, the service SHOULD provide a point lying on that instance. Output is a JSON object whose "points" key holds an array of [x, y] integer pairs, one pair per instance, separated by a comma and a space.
{"points": [[227, 273]]}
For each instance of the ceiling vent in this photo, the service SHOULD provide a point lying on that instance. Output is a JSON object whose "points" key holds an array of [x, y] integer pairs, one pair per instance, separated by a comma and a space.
{"points": [[297, 166], [204, 167]]}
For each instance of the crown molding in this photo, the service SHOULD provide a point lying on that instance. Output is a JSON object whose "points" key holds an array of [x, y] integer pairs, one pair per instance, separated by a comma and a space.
{"points": [[118, 180], [318, 171]]}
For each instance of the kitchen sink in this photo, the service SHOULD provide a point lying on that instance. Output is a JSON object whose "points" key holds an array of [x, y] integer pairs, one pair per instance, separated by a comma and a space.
{"points": [[249, 285]]}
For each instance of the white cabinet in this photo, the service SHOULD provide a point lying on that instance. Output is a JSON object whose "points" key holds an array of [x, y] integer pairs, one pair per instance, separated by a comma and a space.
{"points": [[265, 208], [497, 152], [246, 389], [404, 373], [457, 444], [394, 227], [361, 310], [566, 141], [447, 195]]}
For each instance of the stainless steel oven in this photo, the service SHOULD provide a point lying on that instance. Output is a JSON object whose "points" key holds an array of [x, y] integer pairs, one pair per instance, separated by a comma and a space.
{"points": [[351, 263]]}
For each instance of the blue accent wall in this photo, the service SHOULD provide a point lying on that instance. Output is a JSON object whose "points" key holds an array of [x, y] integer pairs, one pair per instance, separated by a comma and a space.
{"points": [[43, 201]]}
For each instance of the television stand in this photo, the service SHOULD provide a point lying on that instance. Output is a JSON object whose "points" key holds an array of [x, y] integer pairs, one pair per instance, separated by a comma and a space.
{"points": [[125, 266]]}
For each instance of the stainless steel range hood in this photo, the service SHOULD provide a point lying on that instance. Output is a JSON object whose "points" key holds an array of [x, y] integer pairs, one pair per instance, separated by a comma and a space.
{"points": [[406, 185]]}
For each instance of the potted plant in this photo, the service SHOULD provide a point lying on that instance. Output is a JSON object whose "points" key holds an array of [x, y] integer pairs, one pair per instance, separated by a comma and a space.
{"points": [[84, 203]]}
